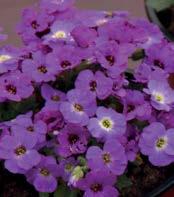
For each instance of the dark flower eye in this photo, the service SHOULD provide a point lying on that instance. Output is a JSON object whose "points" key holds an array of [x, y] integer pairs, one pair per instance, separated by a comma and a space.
{"points": [[21, 150], [96, 187], [11, 89], [42, 69], [110, 59]]}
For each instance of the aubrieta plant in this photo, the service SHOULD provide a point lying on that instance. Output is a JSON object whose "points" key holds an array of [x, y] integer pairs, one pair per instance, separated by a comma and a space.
{"points": [[73, 112]]}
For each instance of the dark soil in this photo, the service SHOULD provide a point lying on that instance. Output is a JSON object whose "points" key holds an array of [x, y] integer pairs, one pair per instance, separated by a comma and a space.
{"points": [[12, 185]]}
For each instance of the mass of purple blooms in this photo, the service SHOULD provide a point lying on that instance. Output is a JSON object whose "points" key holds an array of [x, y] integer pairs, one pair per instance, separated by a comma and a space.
{"points": [[93, 115]]}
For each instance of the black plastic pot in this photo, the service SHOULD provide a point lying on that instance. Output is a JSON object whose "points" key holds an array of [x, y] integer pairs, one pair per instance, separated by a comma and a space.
{"points": [[163, 188], [154, 17]]}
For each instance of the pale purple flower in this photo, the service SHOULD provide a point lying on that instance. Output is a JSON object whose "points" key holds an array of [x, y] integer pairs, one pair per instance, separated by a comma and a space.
{"points": [[157, 143], [107, 124], [162, 96]]}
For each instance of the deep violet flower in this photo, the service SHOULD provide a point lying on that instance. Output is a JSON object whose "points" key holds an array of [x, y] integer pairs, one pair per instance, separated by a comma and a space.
{"points": [[44, 175], [162, 96], [72, 139], [38, 69], [157, 143], [18, 152], [108, 123], [11, 87], [109, 158], [98, 183], [79, 107], [52, 117], [97, 83], [52, 96]]}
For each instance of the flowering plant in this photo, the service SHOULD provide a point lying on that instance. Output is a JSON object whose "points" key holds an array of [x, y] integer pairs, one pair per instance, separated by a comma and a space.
{"points": [[73, 112]]}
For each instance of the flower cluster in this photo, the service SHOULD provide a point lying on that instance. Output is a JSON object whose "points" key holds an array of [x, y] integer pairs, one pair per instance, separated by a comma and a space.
{"points": [[92, 114]]}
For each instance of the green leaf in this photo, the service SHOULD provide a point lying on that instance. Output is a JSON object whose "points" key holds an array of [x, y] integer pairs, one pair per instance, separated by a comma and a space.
{"points": [[64, 191], [9, 110], [123, 182], [43, 194], [160, 5]]}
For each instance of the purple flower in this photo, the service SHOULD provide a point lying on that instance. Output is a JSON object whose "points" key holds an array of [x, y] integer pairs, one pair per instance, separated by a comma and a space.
{"points": [[51, 6], [79, 107], [34, 25], [84, 40], [99, 184], [167, 118], [157, 143], [18, 152], [162, 96], [97, 83], [72, 139], [65, 57], [146, 72], [136, 106], [67, 165], [60, 31], [109, 158], [9, 58], [108, 123], [52, 96], [52, 117], [11, 87], [92, 18], [24, 125], [158, 56], [113, 57], [38, 68], [44, 175]]}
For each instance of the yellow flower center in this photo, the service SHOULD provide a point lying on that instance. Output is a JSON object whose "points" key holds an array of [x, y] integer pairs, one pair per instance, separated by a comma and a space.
{"points": [[78, 108], [159, 97], [106, 158], [161, 143], [4, 58], [106, 123], [44, 172], [21, 150], [55, 98], [59, 34], [42, 69]]}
